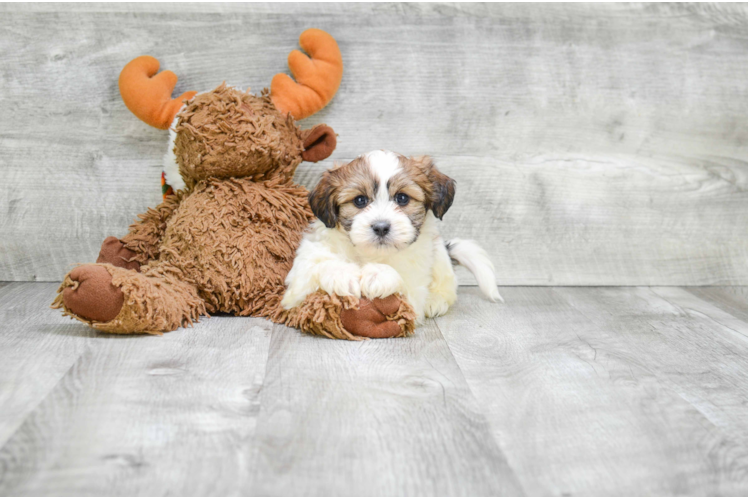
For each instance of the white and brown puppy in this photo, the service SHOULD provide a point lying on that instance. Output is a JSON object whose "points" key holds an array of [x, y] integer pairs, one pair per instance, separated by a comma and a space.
{"points": [[377, 235]]}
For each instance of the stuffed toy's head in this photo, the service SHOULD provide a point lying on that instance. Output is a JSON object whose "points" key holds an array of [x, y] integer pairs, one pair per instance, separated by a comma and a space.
{"points": [[227, 132]]}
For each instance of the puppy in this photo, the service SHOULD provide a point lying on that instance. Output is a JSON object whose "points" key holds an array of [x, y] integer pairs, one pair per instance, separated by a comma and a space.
{"points": [[376, 235]]}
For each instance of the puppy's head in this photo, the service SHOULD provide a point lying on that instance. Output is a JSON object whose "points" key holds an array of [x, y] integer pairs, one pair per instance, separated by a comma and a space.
{"points": [[381, 199]]}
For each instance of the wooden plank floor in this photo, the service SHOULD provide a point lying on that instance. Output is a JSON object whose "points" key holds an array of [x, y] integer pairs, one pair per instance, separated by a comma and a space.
{"points": [[639, 391]]}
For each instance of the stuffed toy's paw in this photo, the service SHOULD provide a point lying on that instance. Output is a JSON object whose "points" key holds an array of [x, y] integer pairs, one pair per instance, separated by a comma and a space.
{"points": [[117, 300], [114, 252], [351, 318], [91, 295], [379, 318]]}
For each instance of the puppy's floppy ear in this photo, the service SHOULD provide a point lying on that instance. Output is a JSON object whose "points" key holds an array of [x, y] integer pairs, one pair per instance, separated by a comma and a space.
{"points": [[322, 201], [442, 186]]}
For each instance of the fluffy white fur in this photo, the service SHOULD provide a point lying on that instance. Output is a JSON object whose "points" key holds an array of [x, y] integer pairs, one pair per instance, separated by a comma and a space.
{"points": [[357, 263], [472, 256], [171, 168]]}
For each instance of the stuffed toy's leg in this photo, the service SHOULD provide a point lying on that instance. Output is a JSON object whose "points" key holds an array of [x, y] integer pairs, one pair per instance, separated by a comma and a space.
{"points": [[117, 300], [350, 318]]}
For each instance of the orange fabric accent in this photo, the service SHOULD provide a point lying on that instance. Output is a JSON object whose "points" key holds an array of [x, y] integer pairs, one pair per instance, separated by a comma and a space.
{"points": [[149, 96], [318, 77], [166, 190]]}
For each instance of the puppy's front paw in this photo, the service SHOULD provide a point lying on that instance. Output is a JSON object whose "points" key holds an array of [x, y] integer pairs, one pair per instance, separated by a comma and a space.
{"points": [[341, 279], [437, 306], [379, 281], [294, 296]]}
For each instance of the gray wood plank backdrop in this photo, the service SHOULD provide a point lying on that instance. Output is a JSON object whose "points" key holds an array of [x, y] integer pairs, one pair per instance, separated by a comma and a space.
{"points": [[592, 144]]}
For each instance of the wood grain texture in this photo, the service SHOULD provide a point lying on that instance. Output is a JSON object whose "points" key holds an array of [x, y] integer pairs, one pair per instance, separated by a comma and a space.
{"points": [[609, 391], [225, 409], [387, 418], [699, 352], [586, 391], [129, 415], [733, 300], [593, 144], [34, 345]]}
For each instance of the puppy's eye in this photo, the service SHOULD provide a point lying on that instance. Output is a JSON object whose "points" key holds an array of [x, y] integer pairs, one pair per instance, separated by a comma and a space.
{"points": [[360, 201], [402, 199]]}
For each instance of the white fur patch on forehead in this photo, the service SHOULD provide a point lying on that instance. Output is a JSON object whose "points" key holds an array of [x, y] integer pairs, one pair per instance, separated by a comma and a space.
{"points": [[384, 165]]}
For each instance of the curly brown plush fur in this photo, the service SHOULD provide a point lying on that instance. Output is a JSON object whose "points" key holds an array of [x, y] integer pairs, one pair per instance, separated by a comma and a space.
{"points": [[228, 133], [227, 242]]}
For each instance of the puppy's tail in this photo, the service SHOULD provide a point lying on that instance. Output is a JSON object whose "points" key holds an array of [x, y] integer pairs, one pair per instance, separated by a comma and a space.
{"points": [[472, 256]]}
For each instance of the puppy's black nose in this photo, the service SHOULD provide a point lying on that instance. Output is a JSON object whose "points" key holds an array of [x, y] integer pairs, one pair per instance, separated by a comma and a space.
{"points": [[381, 228]]}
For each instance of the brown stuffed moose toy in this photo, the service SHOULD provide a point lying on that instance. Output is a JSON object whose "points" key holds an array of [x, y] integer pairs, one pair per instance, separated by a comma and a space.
{"points": [[226, 239]]}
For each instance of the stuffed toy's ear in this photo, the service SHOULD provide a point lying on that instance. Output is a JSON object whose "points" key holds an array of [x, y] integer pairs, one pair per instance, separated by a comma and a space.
{"points": [[322, 201], [442, 186], [149, 96], [318, 77], [319, 143]]}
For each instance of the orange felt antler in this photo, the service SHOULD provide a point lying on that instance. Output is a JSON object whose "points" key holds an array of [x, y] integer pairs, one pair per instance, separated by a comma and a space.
{"points": [[318, 77], [148, 96]]}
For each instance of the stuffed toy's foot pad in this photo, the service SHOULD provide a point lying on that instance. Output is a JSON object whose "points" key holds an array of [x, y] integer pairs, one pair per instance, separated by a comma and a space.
{"points": [[114, 252], [370, 319], [93, 296]]}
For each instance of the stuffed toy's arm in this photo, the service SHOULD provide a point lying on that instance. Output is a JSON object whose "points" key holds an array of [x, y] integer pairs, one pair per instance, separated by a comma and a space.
{"points": [[143, 240], [350, 318]]}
